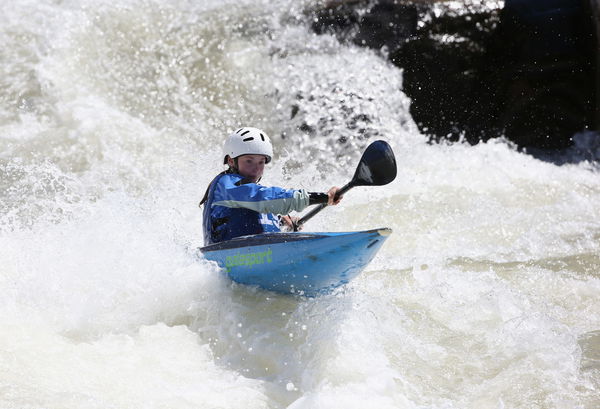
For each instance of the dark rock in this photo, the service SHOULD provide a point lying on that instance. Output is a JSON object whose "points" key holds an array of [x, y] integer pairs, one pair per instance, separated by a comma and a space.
{"points": [[527, 71], [448, 75], [592, 8], [374, 25], [548, 71]]}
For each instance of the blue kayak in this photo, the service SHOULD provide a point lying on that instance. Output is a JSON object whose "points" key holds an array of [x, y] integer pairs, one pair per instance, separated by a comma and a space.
{"points": [[297, 263]]}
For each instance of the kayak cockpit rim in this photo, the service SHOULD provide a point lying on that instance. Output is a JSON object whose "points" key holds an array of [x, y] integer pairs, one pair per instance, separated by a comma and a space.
{"points": [[275, 238], [257, 240]]}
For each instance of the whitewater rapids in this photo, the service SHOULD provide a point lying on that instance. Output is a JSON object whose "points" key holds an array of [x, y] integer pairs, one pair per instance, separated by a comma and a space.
{"points": [[487, 295]]}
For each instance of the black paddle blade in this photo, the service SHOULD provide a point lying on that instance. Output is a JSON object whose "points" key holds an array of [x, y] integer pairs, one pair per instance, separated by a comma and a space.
{"points": [[377, 166]]}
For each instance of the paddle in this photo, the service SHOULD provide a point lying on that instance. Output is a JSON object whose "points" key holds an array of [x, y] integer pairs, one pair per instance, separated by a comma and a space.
{"points": [[377, 167]]}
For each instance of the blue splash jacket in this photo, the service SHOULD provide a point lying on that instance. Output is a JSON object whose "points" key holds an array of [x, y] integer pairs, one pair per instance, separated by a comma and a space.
{"points": [[234, 207]]}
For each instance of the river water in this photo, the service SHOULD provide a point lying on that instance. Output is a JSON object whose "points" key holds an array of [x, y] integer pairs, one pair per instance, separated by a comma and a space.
{"points": [[487, 295]]}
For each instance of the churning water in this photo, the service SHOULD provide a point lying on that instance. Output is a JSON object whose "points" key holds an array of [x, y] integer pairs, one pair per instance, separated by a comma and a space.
{"points": [[487, 295]]}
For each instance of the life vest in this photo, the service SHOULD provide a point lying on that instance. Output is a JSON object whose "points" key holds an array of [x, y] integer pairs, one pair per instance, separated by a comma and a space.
{"points": [[233, 207]]}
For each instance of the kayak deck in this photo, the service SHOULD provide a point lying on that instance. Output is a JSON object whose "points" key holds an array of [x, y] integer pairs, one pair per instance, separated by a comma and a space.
{"points": [[297, 263]]}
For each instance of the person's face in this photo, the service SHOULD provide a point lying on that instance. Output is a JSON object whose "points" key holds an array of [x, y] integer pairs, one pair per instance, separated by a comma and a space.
{"points": [[250, 166]]}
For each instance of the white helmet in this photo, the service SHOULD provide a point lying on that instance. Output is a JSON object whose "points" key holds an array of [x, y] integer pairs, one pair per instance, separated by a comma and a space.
{"points": [[247, 141]]}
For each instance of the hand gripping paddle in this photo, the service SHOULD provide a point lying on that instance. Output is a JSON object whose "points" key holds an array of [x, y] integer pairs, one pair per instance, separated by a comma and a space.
{"points": [[377, 167]]}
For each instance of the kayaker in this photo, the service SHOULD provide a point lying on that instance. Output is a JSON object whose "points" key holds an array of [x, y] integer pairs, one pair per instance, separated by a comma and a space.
{"points": [[235, 204]]}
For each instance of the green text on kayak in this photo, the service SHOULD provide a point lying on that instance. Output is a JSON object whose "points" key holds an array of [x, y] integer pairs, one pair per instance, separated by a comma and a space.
{"points": [[248, 259]]}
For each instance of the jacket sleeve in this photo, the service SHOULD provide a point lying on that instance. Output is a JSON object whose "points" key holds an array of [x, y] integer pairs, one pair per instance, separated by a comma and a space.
{"points": [[261, 199]]}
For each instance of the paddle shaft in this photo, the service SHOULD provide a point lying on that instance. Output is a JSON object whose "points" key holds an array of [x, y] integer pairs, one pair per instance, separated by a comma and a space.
{"points": [[322, 206]]}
